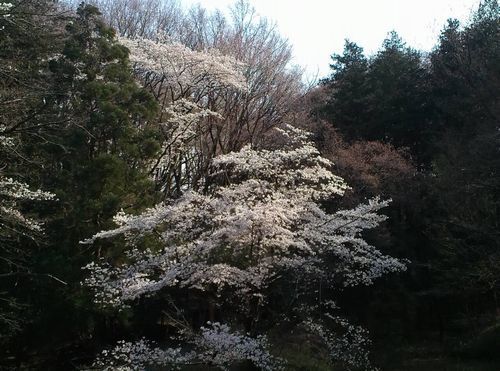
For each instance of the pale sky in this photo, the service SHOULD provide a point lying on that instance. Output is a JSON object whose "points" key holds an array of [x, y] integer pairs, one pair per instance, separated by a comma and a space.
{"points": [[317, 28]]}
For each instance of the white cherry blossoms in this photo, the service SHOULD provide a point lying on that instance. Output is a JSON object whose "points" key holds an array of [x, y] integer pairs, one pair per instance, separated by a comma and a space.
{"points": [[215, 346], [182, 68], [262, 217], [13, 192], [187, 84]]}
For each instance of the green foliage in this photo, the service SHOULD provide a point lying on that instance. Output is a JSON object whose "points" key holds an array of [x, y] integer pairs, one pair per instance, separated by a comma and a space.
{"points": [[444, 108], [466, 170], [91, 146], [26, 41], [349, 91], [465, 72], [383, 98], [399, 110]]}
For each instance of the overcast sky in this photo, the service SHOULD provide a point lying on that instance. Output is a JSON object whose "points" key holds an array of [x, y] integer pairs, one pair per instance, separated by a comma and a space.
{"points": [[317, 28]]}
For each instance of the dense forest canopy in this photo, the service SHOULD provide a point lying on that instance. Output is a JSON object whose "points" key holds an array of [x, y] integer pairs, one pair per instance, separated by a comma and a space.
{"points": [[172, 196]]}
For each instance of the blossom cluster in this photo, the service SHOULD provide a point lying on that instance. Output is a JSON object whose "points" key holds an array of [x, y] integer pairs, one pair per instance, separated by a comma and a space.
{"points": [[215, 345], [20, 191], [13, 191], [181, 66], [182, 126], [187, 84], [138, 355], [301, 170], [5, 8], [348, 344], [5, 141]]}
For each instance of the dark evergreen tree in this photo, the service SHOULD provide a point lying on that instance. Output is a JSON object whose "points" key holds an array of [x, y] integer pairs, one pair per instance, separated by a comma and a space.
{"points": [[466, 170], [385, 98], [348, 92], [94, 156], [445, 109], [399, 110]]}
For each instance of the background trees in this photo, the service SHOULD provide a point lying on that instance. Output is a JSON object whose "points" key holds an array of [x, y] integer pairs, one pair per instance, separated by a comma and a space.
{"points": [[384, 98], [78, 128], [443, 108], [24, 113], [465, 84]]}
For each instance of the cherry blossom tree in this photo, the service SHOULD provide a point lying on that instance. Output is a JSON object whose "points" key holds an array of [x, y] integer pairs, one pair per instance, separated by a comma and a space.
{"points": [[243, 215], [204, 47], [259, 224], [186, 84]]}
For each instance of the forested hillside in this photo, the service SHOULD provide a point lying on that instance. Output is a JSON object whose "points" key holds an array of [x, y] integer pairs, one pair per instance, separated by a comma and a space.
{"points": [[173, 196]]}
